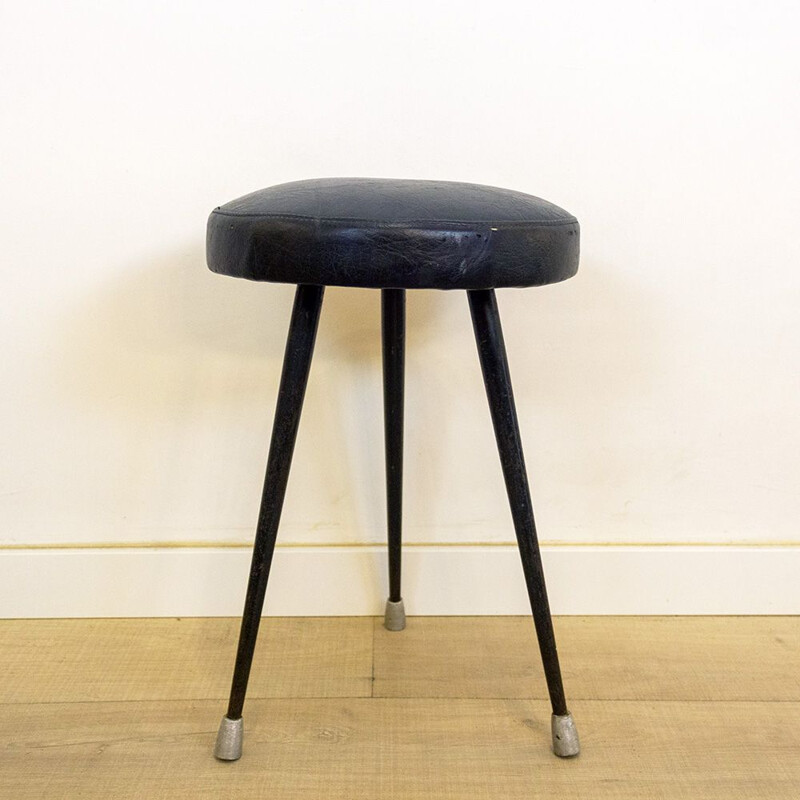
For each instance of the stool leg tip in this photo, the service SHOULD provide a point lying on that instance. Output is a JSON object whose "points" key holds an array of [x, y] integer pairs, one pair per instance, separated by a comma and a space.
{"points": [[565, 736], [395, 617], [229, 740]]}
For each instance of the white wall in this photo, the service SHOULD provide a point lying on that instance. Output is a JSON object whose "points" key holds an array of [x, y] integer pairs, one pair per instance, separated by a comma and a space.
{"points": [[658, 391]]}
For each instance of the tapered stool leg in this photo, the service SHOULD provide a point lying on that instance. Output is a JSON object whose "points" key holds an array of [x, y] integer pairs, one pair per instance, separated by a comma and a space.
{"points": [[393, 318], [496, 376], [296, 364]]}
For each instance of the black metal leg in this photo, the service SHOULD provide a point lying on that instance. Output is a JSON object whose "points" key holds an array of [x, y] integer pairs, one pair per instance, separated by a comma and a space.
{"points": [[296, 364], [393, 316], [496, 376]]}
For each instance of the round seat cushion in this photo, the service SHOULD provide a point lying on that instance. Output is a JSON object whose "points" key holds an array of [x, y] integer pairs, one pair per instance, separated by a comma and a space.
{"points": [[393, 234]]}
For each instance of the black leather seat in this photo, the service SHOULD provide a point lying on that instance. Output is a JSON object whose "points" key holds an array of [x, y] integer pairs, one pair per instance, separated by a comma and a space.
{"points": [[393, 234]]}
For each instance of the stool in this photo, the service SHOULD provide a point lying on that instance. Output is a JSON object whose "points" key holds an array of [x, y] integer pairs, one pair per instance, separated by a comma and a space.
{"points": [[394, 235]]}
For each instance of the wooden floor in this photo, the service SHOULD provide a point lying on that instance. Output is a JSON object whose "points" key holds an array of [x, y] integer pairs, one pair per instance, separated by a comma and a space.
{"points": [[691, 707]]}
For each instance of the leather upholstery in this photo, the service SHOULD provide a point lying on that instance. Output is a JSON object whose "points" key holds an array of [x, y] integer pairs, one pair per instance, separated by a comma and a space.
{"points": [[393, 234]]}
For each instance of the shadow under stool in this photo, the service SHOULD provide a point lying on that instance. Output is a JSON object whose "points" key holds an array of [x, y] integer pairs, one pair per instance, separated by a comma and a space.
{"points": [[394, 235]]}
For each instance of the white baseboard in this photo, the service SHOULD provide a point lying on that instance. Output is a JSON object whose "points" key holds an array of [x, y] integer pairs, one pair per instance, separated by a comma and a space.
{"points": [[334, 581]]}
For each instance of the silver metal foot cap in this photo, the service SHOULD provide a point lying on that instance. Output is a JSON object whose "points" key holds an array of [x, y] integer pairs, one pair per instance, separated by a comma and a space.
{"points": [[395, 617], [229, 740], [565, 736]]}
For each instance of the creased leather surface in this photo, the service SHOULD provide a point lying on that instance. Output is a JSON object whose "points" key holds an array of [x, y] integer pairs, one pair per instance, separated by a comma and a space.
{"points": [[393, 233]]}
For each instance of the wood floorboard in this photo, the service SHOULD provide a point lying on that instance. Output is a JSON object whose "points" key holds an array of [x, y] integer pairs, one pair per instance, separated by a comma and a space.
{"points": [[420, 748], [129, 709], [602, 658], [54, 660]]}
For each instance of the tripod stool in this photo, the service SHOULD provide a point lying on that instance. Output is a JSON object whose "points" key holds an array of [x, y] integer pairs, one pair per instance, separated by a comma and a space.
{"points": [[394, 235]]}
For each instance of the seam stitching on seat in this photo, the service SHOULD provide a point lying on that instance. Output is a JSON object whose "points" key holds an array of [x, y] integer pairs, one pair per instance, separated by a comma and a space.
{"points": [[399, 223]]}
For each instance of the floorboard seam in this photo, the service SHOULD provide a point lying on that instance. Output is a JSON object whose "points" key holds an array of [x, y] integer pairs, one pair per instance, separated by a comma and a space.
{"points": [[372, 682], [691, 700]]}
